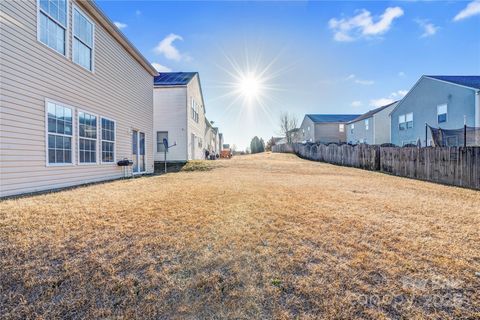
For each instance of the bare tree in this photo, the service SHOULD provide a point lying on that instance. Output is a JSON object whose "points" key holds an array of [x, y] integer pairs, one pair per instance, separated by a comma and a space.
{"points": [[288, 122]]}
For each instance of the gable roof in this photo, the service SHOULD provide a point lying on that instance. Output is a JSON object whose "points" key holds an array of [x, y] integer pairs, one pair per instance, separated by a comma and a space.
{"points": [[331, 118], [91, 7], [466, 81], [370, 113], [174, 78]]}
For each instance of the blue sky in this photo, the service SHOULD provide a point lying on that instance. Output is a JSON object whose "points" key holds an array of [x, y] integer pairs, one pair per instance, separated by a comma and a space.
{"points": [[317, 56]]}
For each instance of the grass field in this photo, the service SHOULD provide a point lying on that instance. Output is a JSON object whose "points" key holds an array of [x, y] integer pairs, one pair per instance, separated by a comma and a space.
{"points": [[264, 236]]}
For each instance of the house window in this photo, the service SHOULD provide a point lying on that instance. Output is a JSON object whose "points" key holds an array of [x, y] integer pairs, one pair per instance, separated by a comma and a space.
{"points": [[409, 120], [352, 126], [59, 127], [87, 137], [442, 113], [160, 136], [194, 108], [366, 124], [108, 140], [82, 40], [401, 122], [341, 127], [53, 24]]}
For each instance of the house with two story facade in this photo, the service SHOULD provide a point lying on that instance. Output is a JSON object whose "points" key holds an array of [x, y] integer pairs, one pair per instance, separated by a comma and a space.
{"points": [[324, 128], [76, 97], [179, 116], [446, 102], [372, 127]]}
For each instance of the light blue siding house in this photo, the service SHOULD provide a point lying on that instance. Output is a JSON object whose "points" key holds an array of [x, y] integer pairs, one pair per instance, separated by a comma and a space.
{"points": [[372, 127], [446, 102]]}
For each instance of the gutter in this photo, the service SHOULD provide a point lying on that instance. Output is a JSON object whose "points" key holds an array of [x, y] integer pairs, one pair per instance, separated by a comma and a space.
{"points": [[95, 11]]}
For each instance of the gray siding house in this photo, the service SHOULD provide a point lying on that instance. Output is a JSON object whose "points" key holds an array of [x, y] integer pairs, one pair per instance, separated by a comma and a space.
{"points": [[324, 128], [445, 102], [372, 127], [76, 97]]}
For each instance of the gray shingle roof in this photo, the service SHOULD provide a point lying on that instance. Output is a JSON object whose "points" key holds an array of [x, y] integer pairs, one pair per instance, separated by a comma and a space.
{"points": [[468, 81], [331, 118], [372, 112], [173, 78]]}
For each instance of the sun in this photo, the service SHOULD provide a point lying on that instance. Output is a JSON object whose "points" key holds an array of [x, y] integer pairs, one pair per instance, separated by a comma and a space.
{"points": [[250, 85]]}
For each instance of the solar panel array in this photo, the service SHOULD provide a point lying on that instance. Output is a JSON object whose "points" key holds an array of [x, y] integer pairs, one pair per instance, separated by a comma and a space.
{"points": [[173, 78]]}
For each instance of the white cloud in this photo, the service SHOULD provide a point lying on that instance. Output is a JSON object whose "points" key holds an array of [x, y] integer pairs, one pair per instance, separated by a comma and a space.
{"points": [[160, 68], [120, 25], [357, 104], [472, 9], [359, 81], [429, 29], [387, 100], [167, 48], [363, 25]]}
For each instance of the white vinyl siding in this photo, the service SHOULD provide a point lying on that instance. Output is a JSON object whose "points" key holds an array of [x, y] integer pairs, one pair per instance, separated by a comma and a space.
{"points": [[52, 24], [59, 133], [83, 31], [108, 140]]}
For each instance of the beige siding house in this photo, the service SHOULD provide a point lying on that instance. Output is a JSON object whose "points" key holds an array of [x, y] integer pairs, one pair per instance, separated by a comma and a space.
{"points": [[324, 128], [179, 116], [76, 97]]}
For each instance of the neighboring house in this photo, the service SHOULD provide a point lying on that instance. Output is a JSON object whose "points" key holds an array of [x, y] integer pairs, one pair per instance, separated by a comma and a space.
{"points": [[372, 127], [76, 97], [211, 137], [179, 116], [220, 142], [324, 128], [445, 102]]}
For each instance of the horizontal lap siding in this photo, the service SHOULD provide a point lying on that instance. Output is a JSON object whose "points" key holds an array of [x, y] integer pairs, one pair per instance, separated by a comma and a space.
{"points": [[119, 89]]}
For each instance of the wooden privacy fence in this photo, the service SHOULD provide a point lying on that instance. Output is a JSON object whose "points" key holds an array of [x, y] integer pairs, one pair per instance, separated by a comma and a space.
{"points": [[449, 165]]}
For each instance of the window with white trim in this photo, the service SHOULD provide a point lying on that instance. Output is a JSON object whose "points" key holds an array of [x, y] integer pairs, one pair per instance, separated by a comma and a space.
{"points": [[401, 122], [108, 140], [341, 127], [366, 124], [87, 137], [409, 120], [352, 126], [60, 132], [53, 24], [82, 40], [442, 113]]}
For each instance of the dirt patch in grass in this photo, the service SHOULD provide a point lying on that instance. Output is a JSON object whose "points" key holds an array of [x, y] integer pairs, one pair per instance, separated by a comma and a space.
{"points": [[201, 165], [263, 236]]}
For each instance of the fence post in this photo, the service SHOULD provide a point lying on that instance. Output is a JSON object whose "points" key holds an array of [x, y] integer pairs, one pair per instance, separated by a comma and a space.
{"points": [[465, 135], [426, 134]]}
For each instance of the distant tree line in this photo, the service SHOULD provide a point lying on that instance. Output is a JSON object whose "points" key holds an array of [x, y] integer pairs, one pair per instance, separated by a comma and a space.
{"points": [[257, 145]]}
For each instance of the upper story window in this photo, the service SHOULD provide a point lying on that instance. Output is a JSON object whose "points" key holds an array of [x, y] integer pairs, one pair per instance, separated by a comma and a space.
{"points": [[405, 121], [87, 137], [442, 113], [195, 107], [82, 40], [108, 140], [341, 127], [59, 128], [366, 124], [53, 24]]}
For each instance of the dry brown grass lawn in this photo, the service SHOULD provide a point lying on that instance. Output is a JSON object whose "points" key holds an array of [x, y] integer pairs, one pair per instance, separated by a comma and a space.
{"points": [[266, 236]]}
